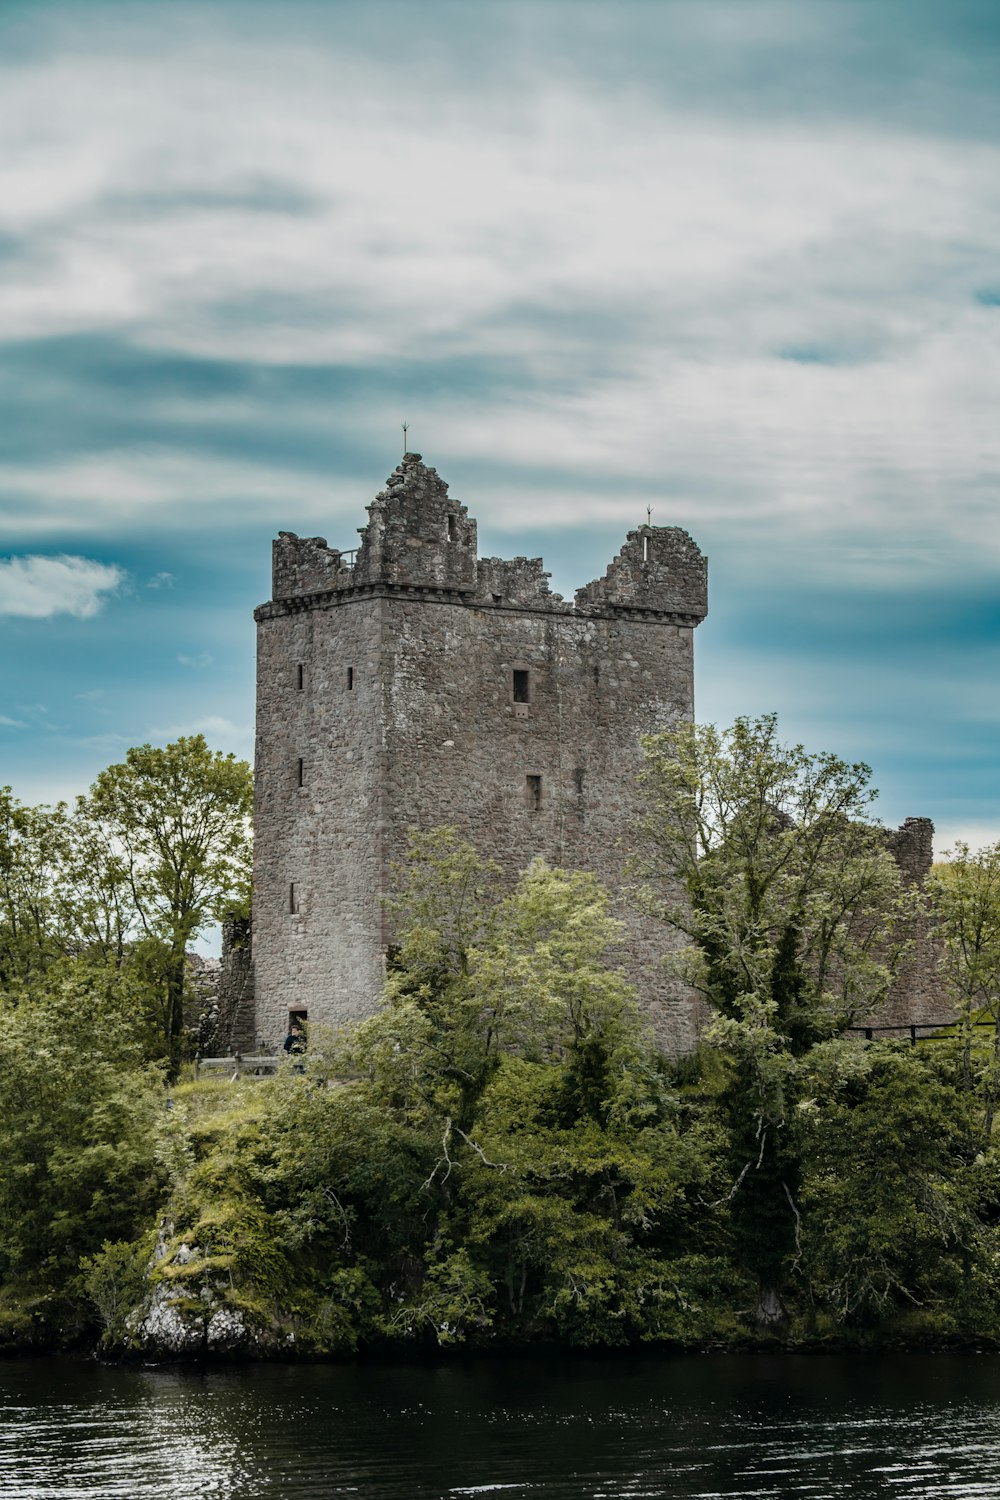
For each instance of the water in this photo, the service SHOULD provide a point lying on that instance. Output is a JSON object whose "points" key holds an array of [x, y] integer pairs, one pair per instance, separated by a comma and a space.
{"points": [[582, 1428]]}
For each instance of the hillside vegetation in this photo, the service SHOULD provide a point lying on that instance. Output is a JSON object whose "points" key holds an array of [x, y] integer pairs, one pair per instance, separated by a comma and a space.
{"points": [[500, 1156]]}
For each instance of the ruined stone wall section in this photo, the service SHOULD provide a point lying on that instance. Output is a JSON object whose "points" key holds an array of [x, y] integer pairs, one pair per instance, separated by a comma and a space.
{"points": [[912, 847], [918, 995], [237, 1025], [417, 537], [302, 565], [521, 582], [659, 569]]}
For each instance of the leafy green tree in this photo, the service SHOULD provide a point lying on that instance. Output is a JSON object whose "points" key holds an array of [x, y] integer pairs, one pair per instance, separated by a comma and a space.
{"points": [[35, 852], [176, 827], [766, 858], [965, 905], [895, 1198], [77, 1125], [536, 1143]]}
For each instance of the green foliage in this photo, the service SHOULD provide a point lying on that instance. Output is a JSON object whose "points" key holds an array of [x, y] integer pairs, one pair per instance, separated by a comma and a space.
{"points": [[77, 1120], [499, 1156], [965, 905], [765, 858], [894, 1196], [116, 1281], [34, 858], [176, 824]]}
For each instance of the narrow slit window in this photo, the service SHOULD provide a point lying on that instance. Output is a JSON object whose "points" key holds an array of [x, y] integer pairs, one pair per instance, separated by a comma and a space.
{"points": [[301, 680], [645, 549], [534, 790], [350, 679], [452, 529], [578, 780], [301, 772], [293, 898], [522, 685]]}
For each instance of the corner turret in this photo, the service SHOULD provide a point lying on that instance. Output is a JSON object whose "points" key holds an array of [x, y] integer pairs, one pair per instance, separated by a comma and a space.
{"points": [[659, 571]]}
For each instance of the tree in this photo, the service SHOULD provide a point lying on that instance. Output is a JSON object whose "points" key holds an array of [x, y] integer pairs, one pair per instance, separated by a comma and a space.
{"points": [[767, 859], [176, 822], [965, 905], [895, 1195], [77, 1129], [35, 845]]}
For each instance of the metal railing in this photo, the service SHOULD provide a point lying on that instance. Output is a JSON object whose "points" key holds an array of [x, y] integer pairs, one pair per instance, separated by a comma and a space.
{"points": [[936, 1031]]}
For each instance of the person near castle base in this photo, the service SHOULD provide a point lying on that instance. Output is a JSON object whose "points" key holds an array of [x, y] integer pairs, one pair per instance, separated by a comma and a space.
{"points": [[295, 1041]]}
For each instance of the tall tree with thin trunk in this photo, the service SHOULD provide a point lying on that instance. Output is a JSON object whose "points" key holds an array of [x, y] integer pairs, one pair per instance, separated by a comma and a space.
{"points": [[177, 821]]}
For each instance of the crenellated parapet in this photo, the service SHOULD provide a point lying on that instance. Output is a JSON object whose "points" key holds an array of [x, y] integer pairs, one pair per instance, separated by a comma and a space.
{"points": [[303, 565], [660, 570], [520, 583], [419, 540]]}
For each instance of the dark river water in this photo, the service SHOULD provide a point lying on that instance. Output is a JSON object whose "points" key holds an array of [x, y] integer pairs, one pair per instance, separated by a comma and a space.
{"points": [[565, 1428]]}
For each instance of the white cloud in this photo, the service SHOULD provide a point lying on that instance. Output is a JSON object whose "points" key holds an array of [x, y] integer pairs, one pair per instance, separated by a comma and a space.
{"points": [[788, 313], [107, 490], [161, 581], [38, 587], [12, 723], [202, 659], [976, 835]]}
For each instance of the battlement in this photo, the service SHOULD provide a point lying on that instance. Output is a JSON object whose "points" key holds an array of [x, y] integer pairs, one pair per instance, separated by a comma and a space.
{"points": [[419, 538], [521, 583], [660, 570], [306, 565]]}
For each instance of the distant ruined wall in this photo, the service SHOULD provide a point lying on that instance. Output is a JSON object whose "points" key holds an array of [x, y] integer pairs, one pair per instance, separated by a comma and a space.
{"points": [[918, 995], [235, 992]]}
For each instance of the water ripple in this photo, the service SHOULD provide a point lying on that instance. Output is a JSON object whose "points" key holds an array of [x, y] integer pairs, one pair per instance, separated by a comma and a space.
{"points": [[582, 1429]]}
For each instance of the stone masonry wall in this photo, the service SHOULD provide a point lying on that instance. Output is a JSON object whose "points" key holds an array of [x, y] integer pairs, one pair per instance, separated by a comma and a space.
{"points": [[424, 686]]}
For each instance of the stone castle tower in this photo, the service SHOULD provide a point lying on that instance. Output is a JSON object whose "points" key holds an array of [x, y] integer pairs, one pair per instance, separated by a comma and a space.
{"points": [[420, 685]]}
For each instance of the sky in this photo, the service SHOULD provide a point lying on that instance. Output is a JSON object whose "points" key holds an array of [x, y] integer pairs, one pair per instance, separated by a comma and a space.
{"points": [[739, 262]]}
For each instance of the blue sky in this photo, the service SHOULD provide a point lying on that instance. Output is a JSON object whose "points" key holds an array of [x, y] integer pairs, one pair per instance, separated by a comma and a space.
{"points": [[737, 261]]}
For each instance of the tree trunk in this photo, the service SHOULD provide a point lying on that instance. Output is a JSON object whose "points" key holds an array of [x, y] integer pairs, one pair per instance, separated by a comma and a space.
{"points": [[175, 1011], [770, 1315]]}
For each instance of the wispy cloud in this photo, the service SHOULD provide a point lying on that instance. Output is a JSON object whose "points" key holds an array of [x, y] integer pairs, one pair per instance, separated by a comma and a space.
{"points": [[733, 258], [199, 661], [220, 732], [8, 723], [39, 587]]}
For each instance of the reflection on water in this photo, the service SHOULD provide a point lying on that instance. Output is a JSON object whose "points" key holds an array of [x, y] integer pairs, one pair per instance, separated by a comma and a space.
{"points": [[586, 1428]]}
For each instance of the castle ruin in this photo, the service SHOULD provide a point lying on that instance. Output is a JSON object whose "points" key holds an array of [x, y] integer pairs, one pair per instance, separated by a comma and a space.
{"points": [[418, 685], [412, 684]]}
